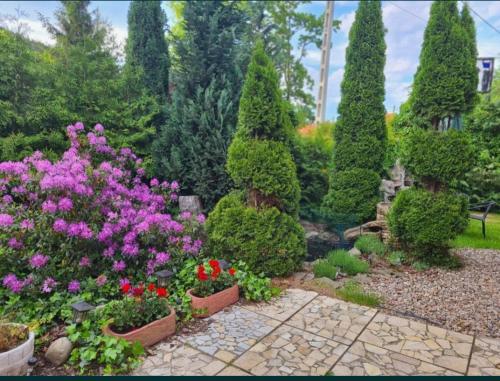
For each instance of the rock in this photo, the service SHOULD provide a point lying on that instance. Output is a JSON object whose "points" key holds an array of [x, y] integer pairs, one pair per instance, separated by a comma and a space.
{"points": [[329, 283], [12, 335], [59, 351], [355, 252], [360, 278], [319, 239], [191, 204], [372, 227]]}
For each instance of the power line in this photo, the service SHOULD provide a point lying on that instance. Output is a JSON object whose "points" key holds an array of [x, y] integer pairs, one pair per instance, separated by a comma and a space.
{"points": [[481, 17], [407, 11]]}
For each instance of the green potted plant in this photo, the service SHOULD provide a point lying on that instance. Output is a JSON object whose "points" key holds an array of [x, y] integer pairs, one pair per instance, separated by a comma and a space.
{"points": [[142, 315], [215, 289]]}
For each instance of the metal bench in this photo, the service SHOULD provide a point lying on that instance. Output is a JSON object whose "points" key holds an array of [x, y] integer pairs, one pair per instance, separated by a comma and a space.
{"points": [[483, 207]]}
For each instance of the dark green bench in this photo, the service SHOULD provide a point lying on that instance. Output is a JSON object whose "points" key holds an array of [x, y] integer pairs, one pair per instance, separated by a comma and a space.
{"points": [[484, 208]]}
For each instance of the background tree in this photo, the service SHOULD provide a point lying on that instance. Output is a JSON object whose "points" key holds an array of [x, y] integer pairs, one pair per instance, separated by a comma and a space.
{"points": [[147, 46], [360, 133], [258, 223], [192, 144], [470, 69]]}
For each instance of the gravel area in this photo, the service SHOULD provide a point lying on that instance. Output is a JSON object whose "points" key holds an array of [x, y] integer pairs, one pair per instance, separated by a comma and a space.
{"points": [[465, 300]]}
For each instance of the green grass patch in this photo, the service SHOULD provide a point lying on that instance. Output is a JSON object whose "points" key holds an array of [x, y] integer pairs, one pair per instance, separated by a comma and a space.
{"points": [[473, 236], [323, 268], [396, 258], [347, 263], [368, 244], [353, 292]]}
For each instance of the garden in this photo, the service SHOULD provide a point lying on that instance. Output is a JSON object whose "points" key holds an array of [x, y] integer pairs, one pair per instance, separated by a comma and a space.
{"points": [[191, 220]]}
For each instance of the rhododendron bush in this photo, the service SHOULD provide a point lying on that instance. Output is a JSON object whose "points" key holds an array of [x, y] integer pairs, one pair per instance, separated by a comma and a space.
{"points": [[90, 215]]}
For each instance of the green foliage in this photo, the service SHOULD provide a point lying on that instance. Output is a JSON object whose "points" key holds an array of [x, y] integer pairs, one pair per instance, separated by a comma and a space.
{"points": [[437, 156], [420, 266], [323, 268], [353, 194], [396, 258], [268, 240], [254, 287], [470, 69], [265, 166], [147, 46], [473, 237], [92, 350], [368, 244], [353, 292], [442, 85], [360, 132], [347, 263], [192, 144], [425, 222]]}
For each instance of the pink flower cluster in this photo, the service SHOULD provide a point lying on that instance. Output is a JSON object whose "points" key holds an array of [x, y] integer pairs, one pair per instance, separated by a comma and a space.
{"points": [[92, 210]]}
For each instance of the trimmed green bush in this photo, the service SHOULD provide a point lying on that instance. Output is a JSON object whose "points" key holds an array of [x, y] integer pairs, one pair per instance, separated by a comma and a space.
{"points": [[368, 244], [266, 239], [353, 194], [425, 222], [442, 156], [251, 161], [323, 268], [347, 263]]}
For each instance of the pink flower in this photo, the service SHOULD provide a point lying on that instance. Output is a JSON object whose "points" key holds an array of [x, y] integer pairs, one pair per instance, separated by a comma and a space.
{"points": [[200, 218], [27, 224], [49, 207], [119, 266], [60, 226], [85, 262], [48, 285], [65, 204], [38, 261], [14, 243], [99, 128], [74, 286], [6, 220]]}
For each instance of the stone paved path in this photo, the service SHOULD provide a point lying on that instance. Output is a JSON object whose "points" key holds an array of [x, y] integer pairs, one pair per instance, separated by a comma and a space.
{"points": [[302, 333]]}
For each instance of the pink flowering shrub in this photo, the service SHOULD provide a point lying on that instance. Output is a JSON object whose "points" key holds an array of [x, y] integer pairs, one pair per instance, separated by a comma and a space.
{"points": [[88, 215]]}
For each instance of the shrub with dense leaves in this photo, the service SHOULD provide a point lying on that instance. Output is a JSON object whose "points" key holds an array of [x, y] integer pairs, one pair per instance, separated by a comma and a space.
{"points": [[88, 216], [440, 156], [353, 194], [368, 244], [425, 222], [265, 239], [259, 224]]}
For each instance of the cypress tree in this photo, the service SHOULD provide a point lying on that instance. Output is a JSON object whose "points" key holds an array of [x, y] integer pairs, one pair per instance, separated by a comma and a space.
{"points": [[146, 45], [258, 223], [470, 69], [192, 144], [439, 87], [360, 132]]}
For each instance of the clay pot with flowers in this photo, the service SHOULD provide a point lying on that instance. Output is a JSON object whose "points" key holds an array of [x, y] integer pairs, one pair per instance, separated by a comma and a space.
{"points": [[142, 315], [215, 289]]}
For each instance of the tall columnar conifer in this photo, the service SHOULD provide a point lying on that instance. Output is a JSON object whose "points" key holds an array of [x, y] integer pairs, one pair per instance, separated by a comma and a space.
{"points": [[470, 69], [201, 119], [360, 132], [146, 45], [439, 88], [258, 223]]}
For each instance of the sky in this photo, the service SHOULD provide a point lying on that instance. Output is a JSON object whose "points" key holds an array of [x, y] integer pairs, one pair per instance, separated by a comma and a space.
{"points": [[404, 20]]}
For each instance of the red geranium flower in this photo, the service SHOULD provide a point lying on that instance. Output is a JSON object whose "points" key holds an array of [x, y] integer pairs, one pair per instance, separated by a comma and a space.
{"points": [[201, 273], [138, 291], [151, 287], [126, 288], [232, 271], [161, 292], [215, 273], [214, 264]]}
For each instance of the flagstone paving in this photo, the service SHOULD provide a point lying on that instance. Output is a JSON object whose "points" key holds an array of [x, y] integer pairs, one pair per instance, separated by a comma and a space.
{"points": [[301, 333]]}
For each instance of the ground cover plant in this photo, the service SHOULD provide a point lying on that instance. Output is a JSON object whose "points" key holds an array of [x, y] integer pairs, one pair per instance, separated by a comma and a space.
{"points": [[353, 292], [323, 268], [347, 263], [368, 244]]}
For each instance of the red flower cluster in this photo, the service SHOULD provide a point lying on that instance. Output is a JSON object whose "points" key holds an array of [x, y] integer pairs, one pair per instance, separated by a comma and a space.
{"points": [[138, 291], [216, 271]]}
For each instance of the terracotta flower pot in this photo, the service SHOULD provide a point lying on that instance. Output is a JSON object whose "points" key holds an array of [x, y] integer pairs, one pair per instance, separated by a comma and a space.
{"points": [[209, 305], [150, 333]]}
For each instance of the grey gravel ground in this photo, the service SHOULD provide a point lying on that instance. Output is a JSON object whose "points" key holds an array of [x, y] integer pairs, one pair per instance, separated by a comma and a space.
{"points": [[465, 300]]}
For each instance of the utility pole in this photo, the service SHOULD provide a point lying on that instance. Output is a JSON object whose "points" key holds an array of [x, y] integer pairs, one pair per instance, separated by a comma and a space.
{"points": [[325, 63]]}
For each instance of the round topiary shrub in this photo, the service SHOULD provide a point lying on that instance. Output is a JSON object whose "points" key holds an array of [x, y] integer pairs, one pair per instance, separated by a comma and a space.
{"points": [[440, 156], [353, 193], [251, 161], [425, 222], [266, 239]]}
